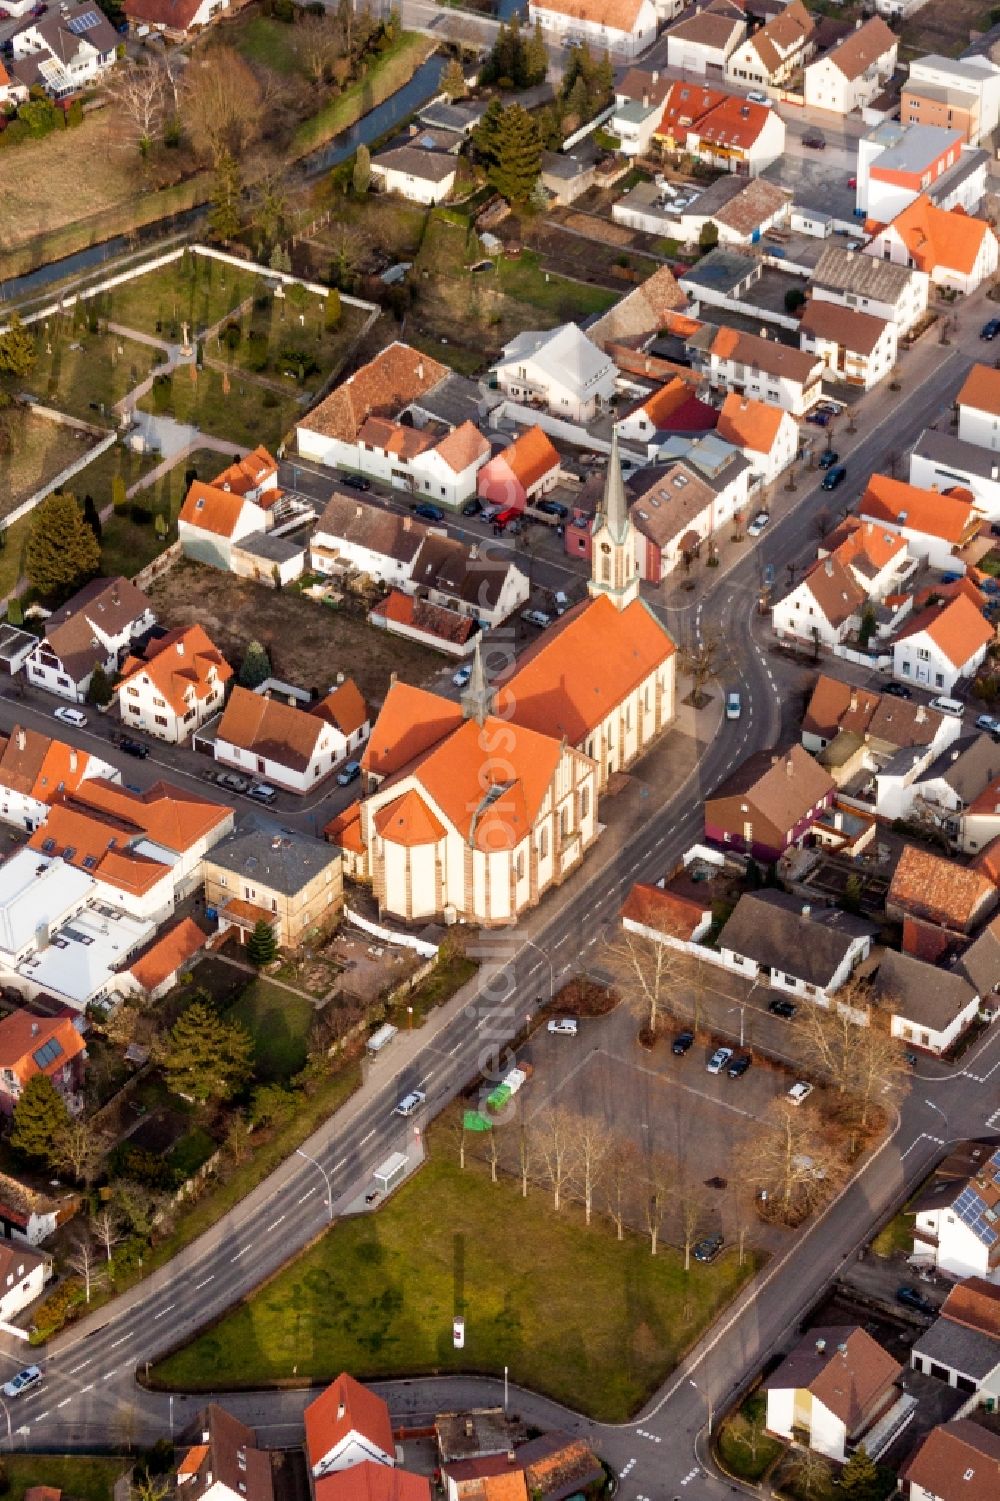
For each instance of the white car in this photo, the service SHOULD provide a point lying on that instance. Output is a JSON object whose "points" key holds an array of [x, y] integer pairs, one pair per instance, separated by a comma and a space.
{"points": [[536, 617], [461, 677], [70, 716], [410, 1102], [718, 1060], [758, 524], [799, 1092], [563, 1026], [23, 1382], [734, 705]]}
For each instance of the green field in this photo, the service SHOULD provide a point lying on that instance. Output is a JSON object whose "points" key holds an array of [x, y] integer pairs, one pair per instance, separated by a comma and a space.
{"points": [[84, 1477], [84, 374], [376, 1296], [246, 414], [195, 288], [279, 1023]]}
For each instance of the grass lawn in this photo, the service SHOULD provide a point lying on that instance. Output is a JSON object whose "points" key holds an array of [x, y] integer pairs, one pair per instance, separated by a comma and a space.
{"points": [[376, 1296], [745, 1450], [127, 545], [279, 1023], [524, 279], [248, 413], [272, 44], [40, 449], [282, 339], [85, 1477], [384, 75], [450, 973], [194, 287], [85, 374], [896, 1236]]}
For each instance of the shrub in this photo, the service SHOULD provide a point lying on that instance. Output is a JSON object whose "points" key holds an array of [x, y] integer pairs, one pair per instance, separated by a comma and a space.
{"points": [[162, 388], [232, 334], [140, 514]]}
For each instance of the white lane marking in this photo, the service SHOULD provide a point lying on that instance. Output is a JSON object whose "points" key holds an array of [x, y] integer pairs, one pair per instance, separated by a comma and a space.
{"points": [[64, 1403], [307, 1195], [366, 1139], [274, 1224], [241, 1253], [41, 1416], [204, 1281], [108, 1374], [81, 1367], [338, 1165], [88, 1388], [114, 1345], [163, 1312], [428, 1077]]}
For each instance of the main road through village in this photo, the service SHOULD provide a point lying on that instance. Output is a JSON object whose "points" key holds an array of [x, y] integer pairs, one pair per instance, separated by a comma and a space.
{"points": [[91, 1396]]}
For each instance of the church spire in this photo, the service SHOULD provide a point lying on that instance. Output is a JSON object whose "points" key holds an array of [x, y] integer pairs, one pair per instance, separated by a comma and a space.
{"points": [[614, 566], [477, 697]]}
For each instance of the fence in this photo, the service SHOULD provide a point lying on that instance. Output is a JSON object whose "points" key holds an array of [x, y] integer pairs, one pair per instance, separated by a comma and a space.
{"points": [[63, 476], [161, 564], [419, 945]]}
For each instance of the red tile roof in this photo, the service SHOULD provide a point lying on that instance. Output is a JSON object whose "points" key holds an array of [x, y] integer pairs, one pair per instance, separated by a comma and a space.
{"points": [[179, 665], [372, 1482], [940, 238], [932, 512], [981, 390], [663, 911], [22, 1037], [958, 1461], [346, 1407], [956, 627], [410, 722], [935, 888], [165, 957], [382, 388], [530, 457]]}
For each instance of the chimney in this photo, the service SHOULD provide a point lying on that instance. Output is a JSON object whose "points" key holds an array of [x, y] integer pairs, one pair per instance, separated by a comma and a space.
{"points": [[995, 471], [470, 1428], [854, 700], [806, 910], [73, 759], [511, 1457], [34, 1029], [656, 75], [340, 678], [828, 566], [789, 767], [645, 101], [22, 739], [392, 676], [820, 1346], [179, 648], [420, 370]]}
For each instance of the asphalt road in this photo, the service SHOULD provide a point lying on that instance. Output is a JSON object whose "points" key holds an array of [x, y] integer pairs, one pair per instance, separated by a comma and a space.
{"points": [[90, 1396]]}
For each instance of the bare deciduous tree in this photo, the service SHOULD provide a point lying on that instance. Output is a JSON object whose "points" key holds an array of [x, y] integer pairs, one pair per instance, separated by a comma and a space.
{"points": [[83, 1260], [107, 1228], [493, 1153], [701, 661], [657, 1182], [789, 1159], [593, 1147], [647, 974], [555, 1133], [142, 92], [320, 41], [877, 1071], [80, 1150], [812, 1471], [692, 1205], [222, 103], [620, 1174]]}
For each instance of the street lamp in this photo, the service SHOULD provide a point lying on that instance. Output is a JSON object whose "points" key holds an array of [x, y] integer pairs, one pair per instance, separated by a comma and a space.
{"points": [[741, 1008], [708, 1402], [326, 1178], [6, 1413], [531, 944], [940, 1112]]}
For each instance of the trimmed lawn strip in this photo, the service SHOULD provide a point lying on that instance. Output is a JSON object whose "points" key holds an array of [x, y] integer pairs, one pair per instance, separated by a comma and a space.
{"points": [[525, 279], [377, 1295], [386, 75], [737, 1441], [453, 970], [86, 1477], [896, 1236], [193, 287], [261, 39], [279, 1023]]}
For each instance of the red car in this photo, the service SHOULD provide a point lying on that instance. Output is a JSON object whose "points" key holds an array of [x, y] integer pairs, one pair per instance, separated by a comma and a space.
{"points": [[852, 182], [512, 513]]}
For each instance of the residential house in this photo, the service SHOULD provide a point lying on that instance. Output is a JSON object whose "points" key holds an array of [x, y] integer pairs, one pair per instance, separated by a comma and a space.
{"points": [[942, 644], [851, 74], [159, 967], [855, 280], [639, 97], [486, 1477], [763, 369], [13, 93], [97, 627], [622, 28], [421, 176], [174, 19], [241, 505], [741, 209], [737, 135], [65, 51], [347, 1425], [887, 723], [667, 917], [954, 249], [978, 404], [558, 1466], [31, 1045], [928, 1007], [724, 278], [682, 503], [293, 883], [936, 525], [768, 803], [225, 1463], [955, 779], [940, 461], [370, 1481], [897, 163], [521, 473], [857, 348], [637, 319], [434, 463], [980, 962], [176, 683], [807, 950], [23, 1275], [834, 1387], [770, 56], [957, 1461], [959, 93], [435, 626], [477, 1433], [936, 890], [35, 771], [955, 1222], [284, 745], [841, 589], [979, 820], [354, 535], [706, 38], [767, 435], [29, 1217], [962, 1346], [686, 103], [559, 369], [670, 409]]}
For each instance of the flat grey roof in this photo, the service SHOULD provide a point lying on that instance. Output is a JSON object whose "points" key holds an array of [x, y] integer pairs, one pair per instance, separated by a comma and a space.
{"points": [[721, 270], [271, 549], [968, 1351], [964, 458], [920, 145]]}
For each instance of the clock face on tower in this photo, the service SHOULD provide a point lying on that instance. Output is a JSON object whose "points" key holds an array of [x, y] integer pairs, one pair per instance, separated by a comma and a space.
{"points": [[605, 546]]}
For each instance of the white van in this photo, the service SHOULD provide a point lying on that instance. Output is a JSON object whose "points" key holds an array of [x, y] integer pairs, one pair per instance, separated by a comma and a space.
{"points": [[70, 716], [381, 1038], [948, 706]]}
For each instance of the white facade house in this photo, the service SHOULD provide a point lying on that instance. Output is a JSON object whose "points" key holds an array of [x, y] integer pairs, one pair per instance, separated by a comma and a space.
{"points": [[954, 249], [97, 627], [940, 461], [941, 87], [623, 28], [936, 525], [942, 645], [23, 1276], [176, 19], [65, 51], [929, 1008], [855, 280], [849, 76], [771, 55], [857, 348], [834, 1386], [766, 435], [35, 771], [829, 603], [174, 686], [954, 1224], [738, 135], [978, 405], [559, 369], [289, 747], [421, 176], [807, 951], [345, 1426], [763, 370], [706, 38]]}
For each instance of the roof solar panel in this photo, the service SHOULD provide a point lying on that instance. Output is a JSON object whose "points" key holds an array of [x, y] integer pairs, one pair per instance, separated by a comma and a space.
{"points": [[85, 22], [47, 1053]]}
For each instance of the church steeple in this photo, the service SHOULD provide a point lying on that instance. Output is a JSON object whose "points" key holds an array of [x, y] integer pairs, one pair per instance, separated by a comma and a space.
{"points": [[614, 563], [477, 696]]}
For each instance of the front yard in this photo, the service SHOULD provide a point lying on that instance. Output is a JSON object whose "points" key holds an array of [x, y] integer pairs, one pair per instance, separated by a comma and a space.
{"points": [[377, 1295]]}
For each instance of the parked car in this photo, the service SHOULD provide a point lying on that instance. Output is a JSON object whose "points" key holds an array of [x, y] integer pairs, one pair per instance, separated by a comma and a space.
{"points": [[427, 512], [988, 723], [990, 330], [563, 1026], [132, 747], [355, 482], [709, 1248], [682, 1042], [70, 716], [489, 513], [349, 774], [834, 477], [232, 782], [784, 1009], [950, 578], [757, 96], [410, 1102], [799, 1092], [718, 1060], [814, 141], [472, 507], [739, 1066], [23, 1382], [758, 524], [461, 677], [552, 508], [734, 705], [952, 707], [898, 690], [852, 182], [910, 1297], [510, 516], [818, 417], [828, 458], [536, 617], [263, 792]]}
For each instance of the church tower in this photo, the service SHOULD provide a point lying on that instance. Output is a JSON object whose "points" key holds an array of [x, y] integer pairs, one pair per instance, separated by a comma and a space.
{"points": [[614, 567], [477, 696]]}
